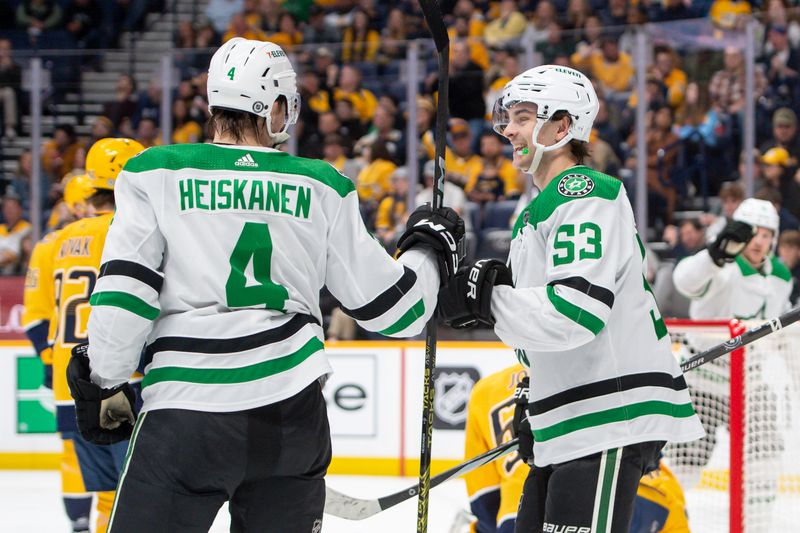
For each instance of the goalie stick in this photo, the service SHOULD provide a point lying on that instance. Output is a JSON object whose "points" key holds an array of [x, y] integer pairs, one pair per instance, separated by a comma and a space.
{"points": [[433, 18], [350, 508]]}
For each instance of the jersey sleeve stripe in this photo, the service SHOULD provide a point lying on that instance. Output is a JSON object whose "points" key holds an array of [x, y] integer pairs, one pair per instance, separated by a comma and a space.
{"points": [[607, 386], [609, 416], [408, 318], [234, 375], [574, 313], [126, 301], [601, 294], [386, 300], [120, 267], [230, 345]]}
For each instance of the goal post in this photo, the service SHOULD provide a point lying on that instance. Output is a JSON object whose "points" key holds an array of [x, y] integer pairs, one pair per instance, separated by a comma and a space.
{"points": [[744, 476]]}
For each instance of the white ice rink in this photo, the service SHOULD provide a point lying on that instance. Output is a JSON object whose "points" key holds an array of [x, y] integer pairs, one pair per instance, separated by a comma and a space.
{"points": [[31, 503]]}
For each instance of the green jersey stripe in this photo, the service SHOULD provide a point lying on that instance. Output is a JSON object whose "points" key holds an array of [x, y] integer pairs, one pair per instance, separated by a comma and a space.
{"points": [[210, 157], [574, 313], [605, 512], [407, 319], [126, 301], [221, 376], [609, 416]]}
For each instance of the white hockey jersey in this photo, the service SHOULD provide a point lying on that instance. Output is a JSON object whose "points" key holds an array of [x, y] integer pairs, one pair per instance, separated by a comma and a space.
{"points": [[735, 290], [583, 318], [214, 262]]}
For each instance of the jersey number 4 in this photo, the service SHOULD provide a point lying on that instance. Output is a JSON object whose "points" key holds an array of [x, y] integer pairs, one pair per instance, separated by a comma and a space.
{"points": [[254, 244]]}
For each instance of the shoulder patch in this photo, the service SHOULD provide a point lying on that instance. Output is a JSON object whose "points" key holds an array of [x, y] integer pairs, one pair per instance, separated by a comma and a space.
{"points": [[575, 185]]}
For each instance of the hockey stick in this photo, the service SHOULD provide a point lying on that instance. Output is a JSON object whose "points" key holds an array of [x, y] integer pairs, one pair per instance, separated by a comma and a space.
{"points": [[433, 17], [343, 506], [752, 334]]}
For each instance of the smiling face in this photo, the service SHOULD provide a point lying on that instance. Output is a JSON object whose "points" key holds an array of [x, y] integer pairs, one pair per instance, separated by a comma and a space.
{"points": [[519, 132]]}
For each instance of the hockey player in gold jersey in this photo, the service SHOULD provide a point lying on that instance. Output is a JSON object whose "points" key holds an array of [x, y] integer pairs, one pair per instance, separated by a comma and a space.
{"points": [[77, 251], [495, 489], [39, 321]]}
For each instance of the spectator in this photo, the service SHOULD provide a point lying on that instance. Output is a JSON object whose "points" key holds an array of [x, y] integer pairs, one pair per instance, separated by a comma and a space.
{"points": [[240, 28], [393, 37], [147, 133], [602, 156], [777, 14], [123, 106], [392, 210], [475, 21], [697, 118], [667, 71], [508, 27], [13, 231], [334, 152], [577, 12], [729, 14], [360, 43], [287, 35], [592, 32], [22, 181], [554, 46], [783, 64], [38, 15], [349, 119], [462, 166], [605, 129], [612, 68], [789, 254], [454, 196], [270, 11], [185, 129], [539, 29], [731, 195], [324, 64], [727, 85], [383, 129], [317, 30], [219, 13], [186, 35], [372, 183], [426, 114], [615, 14], [689, 239], [102, 127], [787, 220], [478, 52], [84, 21], [497, 179], [328, 124], [252, 13], [58, 154], [508, 69], [668, 10], [784, 135], [465, 87], [148, 105], [363, 101], [661, 158], [10, 83]]}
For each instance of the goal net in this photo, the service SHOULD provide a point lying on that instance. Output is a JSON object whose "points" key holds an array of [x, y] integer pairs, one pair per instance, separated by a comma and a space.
{"points": [[744, 476]]}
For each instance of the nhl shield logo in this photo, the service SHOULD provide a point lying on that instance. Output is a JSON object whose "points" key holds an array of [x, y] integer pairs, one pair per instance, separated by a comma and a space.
{"points": [[575, 185], [453, 386]]}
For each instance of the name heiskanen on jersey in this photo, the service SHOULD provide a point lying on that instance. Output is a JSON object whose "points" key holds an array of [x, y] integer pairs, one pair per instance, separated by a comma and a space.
{"points": [[242, 195]]}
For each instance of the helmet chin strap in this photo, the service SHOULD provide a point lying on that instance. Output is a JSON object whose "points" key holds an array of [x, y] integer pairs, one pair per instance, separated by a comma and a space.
{"points": [[539, 149]]}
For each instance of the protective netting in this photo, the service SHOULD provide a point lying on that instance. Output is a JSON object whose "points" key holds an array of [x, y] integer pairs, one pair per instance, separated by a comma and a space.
{"points": [[754, 478]]}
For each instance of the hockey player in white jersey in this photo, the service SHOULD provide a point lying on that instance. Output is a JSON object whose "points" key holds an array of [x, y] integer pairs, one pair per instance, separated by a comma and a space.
{"points": [[737, 276], [219, 252], [606, 391]]}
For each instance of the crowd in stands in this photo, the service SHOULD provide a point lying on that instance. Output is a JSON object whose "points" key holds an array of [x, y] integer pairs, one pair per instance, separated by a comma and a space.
{"points": [[351, 75]]}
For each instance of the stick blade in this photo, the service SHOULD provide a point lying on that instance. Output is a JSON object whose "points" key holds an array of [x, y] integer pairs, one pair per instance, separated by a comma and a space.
{"points": [[347, 507]]}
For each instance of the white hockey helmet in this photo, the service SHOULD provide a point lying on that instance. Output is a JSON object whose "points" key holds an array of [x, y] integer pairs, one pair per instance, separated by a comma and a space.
{"points": [[552, 88], [759, 214], [248, 75]]}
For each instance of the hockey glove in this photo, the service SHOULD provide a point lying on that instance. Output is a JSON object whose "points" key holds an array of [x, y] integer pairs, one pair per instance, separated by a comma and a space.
{"points": [[441, 230], [467, 300], [521, 426], [105, 416], [730, 242]]}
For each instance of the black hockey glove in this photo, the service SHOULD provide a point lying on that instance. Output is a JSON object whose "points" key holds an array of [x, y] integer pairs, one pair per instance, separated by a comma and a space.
{"points": [[521, 426], [105, 416], [441, 230], [467, 300], [730, 242]]}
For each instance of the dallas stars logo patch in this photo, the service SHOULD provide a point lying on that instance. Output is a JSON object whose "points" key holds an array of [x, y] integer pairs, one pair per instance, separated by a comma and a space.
{"points": [[575, 185]]}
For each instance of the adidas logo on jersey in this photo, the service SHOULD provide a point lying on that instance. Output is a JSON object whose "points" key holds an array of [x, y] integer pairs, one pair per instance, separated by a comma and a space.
{"points": [[246, 161]]}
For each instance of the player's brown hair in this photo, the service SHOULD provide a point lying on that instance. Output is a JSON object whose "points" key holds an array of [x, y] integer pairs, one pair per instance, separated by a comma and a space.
{"points": [[578, 149]]}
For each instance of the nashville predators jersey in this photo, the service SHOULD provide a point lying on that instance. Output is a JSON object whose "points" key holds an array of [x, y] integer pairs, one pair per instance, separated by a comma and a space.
{"points": [[660, 504], [494, 489], [38, 299]]}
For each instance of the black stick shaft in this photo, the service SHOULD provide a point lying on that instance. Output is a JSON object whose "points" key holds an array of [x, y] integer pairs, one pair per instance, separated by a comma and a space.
{"points": [[435, 22]]}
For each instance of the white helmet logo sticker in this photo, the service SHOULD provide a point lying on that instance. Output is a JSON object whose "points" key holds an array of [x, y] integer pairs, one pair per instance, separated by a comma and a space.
{"points": [[258, 107], [575, 185]]}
